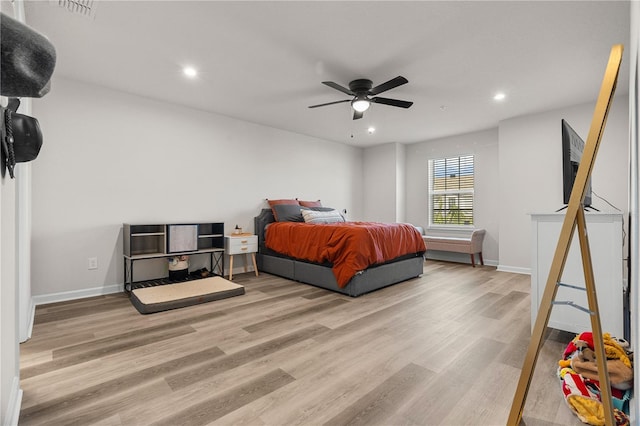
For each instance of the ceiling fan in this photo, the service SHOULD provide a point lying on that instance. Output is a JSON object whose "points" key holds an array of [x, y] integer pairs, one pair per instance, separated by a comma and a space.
{"points": [[361, 90]]}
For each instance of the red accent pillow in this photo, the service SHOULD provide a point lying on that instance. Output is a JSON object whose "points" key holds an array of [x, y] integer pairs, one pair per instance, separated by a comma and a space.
{"points": [[281, 201], [310, 203]]}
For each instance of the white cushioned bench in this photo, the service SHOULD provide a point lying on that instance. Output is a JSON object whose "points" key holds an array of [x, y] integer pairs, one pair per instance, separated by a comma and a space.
{"points": [[470, 245]]}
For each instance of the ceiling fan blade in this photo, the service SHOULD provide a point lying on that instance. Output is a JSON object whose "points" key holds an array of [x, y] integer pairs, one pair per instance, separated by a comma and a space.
{"points": [[357, 115], [392, 102], [394, 82], [330, 103], [338, 87]]}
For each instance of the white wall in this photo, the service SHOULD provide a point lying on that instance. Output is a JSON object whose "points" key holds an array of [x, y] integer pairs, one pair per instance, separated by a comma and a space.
{"points": [[484, 146], [401, 182], [379, 183], [109, 157], [530, 170], [384, 183]]}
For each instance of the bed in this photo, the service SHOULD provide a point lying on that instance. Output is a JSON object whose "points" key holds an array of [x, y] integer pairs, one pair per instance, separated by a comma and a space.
{"points": [[395, 270]]}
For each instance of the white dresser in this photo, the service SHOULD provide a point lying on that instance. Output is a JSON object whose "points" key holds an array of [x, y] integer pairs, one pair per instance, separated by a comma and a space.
{"points": [[605, 233]]}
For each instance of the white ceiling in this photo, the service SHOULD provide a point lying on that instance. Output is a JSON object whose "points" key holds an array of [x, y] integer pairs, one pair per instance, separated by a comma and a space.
{"points": [[264, 61]]}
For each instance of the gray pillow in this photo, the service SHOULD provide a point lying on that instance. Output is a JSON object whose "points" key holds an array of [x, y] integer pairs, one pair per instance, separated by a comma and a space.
{"points": [[288, 213]]}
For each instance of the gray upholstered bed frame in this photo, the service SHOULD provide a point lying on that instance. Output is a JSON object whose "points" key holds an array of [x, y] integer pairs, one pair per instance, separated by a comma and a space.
{"points": [[365, 281]]}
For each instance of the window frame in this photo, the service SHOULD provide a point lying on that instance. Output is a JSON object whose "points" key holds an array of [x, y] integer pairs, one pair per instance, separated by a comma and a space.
{"points": [[431, 192]]}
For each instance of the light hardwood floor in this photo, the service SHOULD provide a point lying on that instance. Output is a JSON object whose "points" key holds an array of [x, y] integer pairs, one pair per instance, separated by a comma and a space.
{"points": [[443, 349]]}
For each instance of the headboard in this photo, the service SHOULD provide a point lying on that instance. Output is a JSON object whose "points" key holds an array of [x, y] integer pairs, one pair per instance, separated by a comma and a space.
{"points": [[260, 223]]}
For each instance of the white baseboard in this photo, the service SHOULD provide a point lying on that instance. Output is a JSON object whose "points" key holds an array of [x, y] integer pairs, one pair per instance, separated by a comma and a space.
{"points": [[514, 269], [14, 403], [77, 294], [456, 257]]}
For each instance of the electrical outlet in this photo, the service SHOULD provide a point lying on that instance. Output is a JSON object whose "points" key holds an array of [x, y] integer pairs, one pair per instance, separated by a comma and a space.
{"points": [[93, 263]]}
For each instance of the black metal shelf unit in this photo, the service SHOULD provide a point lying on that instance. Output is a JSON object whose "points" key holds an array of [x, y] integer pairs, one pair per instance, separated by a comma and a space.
{"points": [[153, 241]]}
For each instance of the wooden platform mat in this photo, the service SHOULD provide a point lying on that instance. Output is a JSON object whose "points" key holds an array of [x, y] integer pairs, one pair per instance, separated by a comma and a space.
{"points": [[171, 296]]}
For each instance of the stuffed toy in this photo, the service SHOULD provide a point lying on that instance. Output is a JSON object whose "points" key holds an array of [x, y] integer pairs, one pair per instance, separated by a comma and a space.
{"points": [[583, 360], [578, 371], [582, 340], [614, 350], [620, 376]]}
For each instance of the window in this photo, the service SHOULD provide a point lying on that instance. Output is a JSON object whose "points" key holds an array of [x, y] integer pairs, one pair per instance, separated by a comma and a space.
{"points": [[451, 191]]}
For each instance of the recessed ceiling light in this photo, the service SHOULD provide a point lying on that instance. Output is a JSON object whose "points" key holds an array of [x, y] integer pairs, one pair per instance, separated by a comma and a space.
{"points": [[371, 130], [443, 107], [499, 96], [190, 72]]}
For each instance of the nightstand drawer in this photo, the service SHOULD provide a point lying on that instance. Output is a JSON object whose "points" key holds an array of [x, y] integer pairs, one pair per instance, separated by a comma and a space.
{"points": [[239, 245]]}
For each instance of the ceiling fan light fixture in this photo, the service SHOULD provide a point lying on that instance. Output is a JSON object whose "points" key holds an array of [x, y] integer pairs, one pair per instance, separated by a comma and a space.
{"points": [[361, 103], [361, 89]]}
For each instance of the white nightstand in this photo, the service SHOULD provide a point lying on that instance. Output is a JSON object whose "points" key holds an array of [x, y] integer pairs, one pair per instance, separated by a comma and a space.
{"points": [[241, 244]]}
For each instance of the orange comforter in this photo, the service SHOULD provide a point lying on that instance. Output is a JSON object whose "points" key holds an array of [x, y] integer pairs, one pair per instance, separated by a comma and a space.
{"points": [[350, 247]]}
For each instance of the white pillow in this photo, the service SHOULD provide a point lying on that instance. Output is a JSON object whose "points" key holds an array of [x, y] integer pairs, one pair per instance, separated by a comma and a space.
{"points": [[315, 217]]}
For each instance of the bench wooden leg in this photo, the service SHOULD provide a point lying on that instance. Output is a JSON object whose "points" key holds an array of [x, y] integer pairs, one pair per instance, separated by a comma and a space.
{"points": [[473, 260]]}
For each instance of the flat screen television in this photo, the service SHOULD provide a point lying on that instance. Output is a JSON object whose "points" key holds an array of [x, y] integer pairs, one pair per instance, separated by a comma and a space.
{"points": [[572, 147]]}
